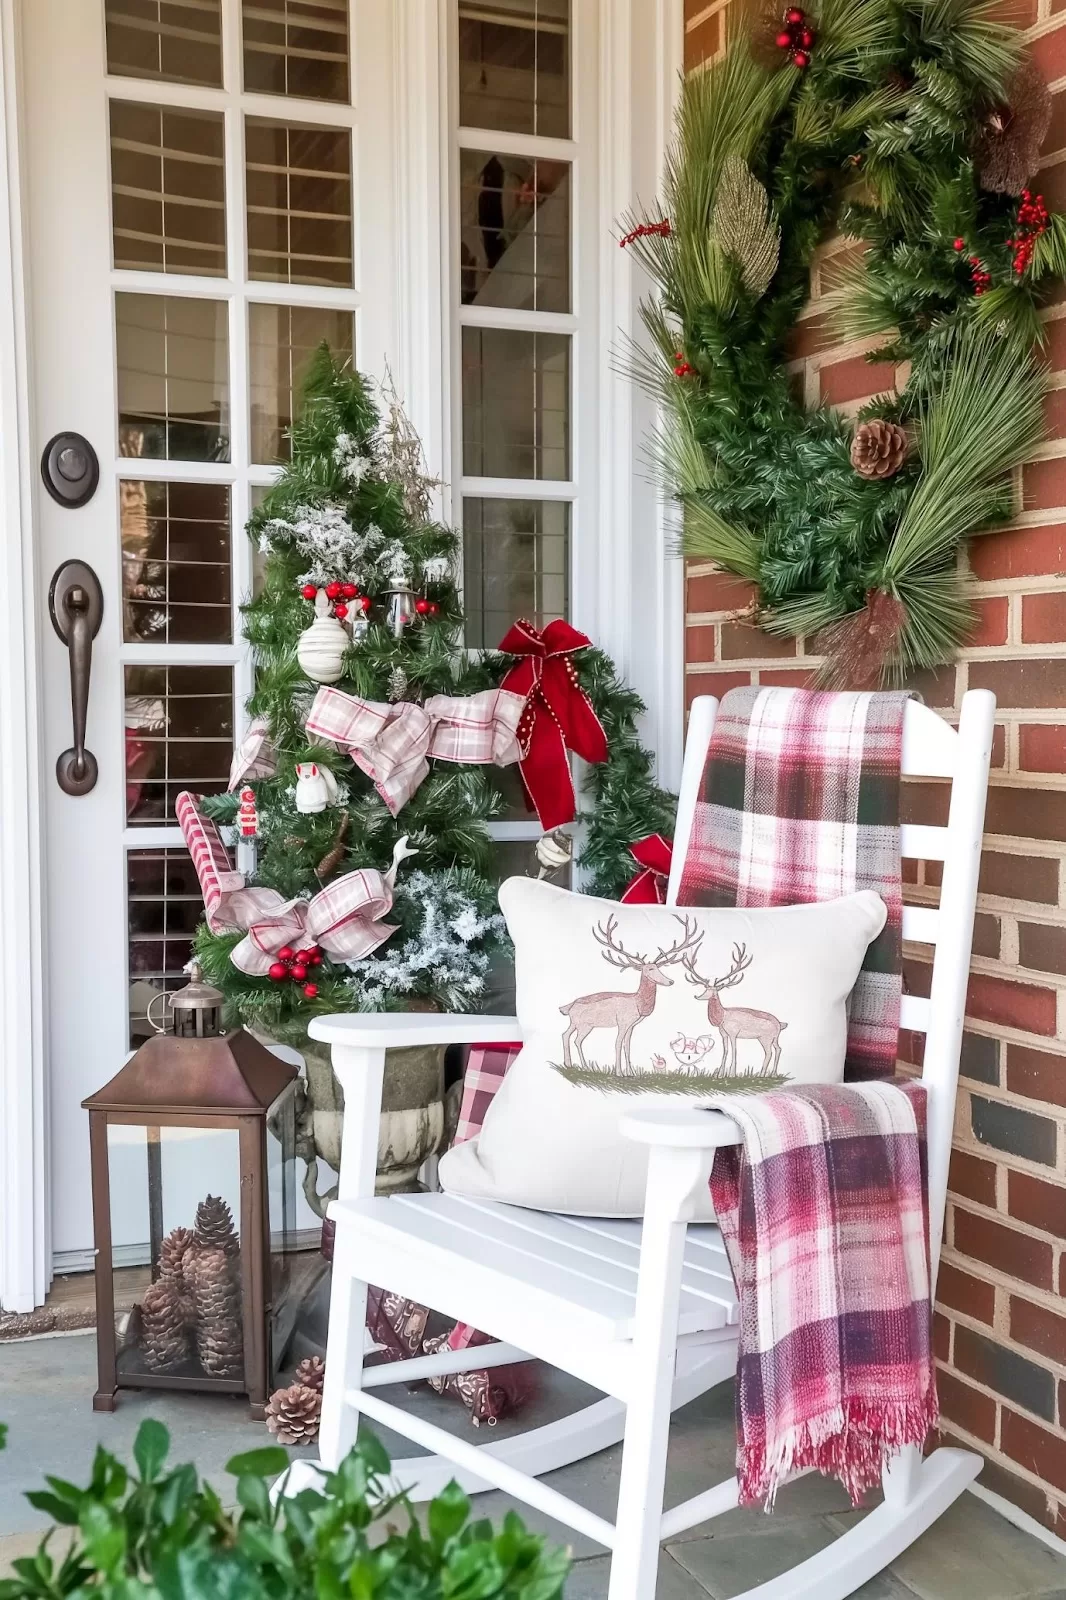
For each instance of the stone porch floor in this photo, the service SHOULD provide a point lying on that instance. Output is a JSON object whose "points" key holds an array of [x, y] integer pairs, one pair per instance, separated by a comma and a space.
{"points": [[971, 1554]]}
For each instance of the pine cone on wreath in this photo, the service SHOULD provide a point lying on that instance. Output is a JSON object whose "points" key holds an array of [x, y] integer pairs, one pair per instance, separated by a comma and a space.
{"points": [[293, 1414], [214, 1225], [164, 1339], [1008, 146], [311, 1372], [878, 449], [217, 1300]]}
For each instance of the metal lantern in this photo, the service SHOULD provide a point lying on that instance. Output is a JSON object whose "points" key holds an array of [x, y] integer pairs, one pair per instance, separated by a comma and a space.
{"points": [[400, 612], [193, 1163]]}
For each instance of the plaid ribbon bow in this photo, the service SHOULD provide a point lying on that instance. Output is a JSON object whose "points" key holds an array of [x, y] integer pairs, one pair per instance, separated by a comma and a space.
{"points": [[345, 918], [558, 715], [254, 757], [392, 743]]}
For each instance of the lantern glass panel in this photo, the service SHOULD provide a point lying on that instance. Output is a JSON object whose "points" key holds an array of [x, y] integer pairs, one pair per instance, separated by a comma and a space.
{"points": [[291, 1247], [177, 1252]]}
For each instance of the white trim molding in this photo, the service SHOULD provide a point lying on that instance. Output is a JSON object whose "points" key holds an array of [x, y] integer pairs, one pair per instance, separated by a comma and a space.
{"points": [[25, 1207]]}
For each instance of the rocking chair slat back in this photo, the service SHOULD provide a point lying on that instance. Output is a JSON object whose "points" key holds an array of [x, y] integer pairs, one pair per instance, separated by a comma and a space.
{"points": [[932, 748]]}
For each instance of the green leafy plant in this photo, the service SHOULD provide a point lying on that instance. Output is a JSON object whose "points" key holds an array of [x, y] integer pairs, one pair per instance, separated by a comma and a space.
{"points": [[159, 1533]]}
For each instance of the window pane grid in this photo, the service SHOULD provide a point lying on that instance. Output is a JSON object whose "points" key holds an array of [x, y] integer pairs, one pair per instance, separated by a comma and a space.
{"points": [[168, 194], [176, 581], [299, 203], [164, 905], [179, 735], [173, 377], [297, 47], [177, 41], [515, 232], [514, 66]]}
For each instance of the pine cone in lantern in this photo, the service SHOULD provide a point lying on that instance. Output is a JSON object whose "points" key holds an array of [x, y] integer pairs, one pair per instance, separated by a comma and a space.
{"points": [[214, 1225], [311, 1372], [216, 1296], [164, 1340], [878, 449], [1007, 148], [173, 1251], [294, 1413]]}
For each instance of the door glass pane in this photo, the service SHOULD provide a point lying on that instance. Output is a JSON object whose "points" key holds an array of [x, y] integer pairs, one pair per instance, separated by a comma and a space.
{"points": [[175, 562], [297, 47], [514, 66], [515, 238], [173, 377], [299, 196], [516, 562], [177, 40], [164, 905], [516, 393], [179, 735], [281, 341], [168, 189]]}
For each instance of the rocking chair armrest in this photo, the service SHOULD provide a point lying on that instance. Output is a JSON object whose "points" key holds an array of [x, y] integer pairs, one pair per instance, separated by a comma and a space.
{"points": [[389, 1030], [686, 1128]]}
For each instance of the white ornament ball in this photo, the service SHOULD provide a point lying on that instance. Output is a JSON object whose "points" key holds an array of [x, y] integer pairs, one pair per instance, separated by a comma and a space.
{"points": [[553, 851], [320, 648]]}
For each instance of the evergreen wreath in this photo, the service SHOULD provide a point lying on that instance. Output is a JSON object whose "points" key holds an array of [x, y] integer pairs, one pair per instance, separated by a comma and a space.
{"points": [[912, 127]]}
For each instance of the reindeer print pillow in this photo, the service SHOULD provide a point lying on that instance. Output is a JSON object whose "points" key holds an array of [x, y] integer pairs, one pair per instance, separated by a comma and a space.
{"points": [[618, 1000]]}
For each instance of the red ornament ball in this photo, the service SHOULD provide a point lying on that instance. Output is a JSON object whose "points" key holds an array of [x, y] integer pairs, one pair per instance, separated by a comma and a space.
{"points": [[959, 244], [800, 59], [784, 40], [794, 16], [434, 608], [278, 972], [310, 990], [366, 602], [806, 38], [286, 953], [340, 610], [421, 606], [316, 958], [334, 590], [349, 590], [303, 955], [299, 971], [309, 591]]}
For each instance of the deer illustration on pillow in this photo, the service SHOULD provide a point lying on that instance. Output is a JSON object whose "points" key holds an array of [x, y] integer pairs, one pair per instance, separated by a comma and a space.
{"points": [[736, 1022], [621, 1010]]}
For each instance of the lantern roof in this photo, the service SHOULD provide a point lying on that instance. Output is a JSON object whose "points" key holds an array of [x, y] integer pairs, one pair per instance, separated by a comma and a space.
{"points": [[234, 1075]]}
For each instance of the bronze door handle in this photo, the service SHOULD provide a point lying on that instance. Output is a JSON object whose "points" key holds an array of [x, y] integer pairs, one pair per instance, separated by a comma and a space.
{"points": [[76, 606]]}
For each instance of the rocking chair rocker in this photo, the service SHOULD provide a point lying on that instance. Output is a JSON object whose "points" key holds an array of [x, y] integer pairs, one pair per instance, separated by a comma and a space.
{"points": [[644, 1312]]}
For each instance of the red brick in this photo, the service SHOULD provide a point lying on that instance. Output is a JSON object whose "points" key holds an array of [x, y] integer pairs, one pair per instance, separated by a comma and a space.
{"points": [[970, 1410], [1044, 485], [1042, 747], [854, 379], [1011, 1005], [1038, 1328], [1034, 681], [1033, 878], [701, 42], [741, 641], [1049, 54], [1022, 552], [986, 935], [809, 338], [941, 1337], [1056, 134], [1056, 328], [936, 686], [1033, 1447], [1027, 1259], [775, 678], [925, 802], [1042, 948], [964, 1293], [1026, 813], [1044, 615], [973, 1178], [718, 591], [1019, 1491], [991, 626], [1036, 1075], [999, 745], [1055, 414], [1039, 1203], [717, 683], [699, 644]]}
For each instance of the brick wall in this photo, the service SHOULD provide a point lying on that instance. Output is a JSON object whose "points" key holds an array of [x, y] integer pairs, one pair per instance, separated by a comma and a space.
{"points": [[1001, 1318]]}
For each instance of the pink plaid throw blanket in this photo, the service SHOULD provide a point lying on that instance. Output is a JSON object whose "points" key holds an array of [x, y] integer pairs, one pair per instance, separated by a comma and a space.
{"points": [[823, 1215], [800, 803]]}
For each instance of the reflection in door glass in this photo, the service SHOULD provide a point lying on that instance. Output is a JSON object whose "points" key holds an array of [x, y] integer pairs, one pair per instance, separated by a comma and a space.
{"points": [[179, 41], [168, 189], [515, 231], [296, 47], [516, 559], [281, 341], [514, 66], [516, 404], [173, 377], [179, 735], [299, 196], [165, 904], [175, 562]]}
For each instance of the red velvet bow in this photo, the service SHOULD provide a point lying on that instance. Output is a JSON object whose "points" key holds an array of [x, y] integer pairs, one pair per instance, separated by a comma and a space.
{"points": [[648, 888], [558, 715]]}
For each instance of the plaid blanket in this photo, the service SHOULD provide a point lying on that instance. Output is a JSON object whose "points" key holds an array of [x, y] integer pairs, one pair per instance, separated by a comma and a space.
{"points": [[800, 803], [823, 1214], [485, 1071]]}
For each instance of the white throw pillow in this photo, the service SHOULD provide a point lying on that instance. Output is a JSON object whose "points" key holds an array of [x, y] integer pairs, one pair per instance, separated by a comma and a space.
{"points": [[658, 998]]}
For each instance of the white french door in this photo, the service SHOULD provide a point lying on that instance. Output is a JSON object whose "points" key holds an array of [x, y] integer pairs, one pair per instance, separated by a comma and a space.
{"points": [[195, 228]]}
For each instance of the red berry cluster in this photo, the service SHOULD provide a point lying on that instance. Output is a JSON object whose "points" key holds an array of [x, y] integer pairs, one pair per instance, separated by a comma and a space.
{"points": [[644, 229], [1033, 220], [682, 368], [980, 277], [339, 594], [292, 966], [797, 37], [426, 608]]}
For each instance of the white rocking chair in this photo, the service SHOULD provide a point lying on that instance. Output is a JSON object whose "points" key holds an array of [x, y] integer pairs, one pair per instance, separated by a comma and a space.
{"points": [[645, 1313]]}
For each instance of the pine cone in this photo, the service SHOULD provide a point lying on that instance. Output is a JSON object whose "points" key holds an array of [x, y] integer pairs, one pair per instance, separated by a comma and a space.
{"points": [[294, 1413], [878, 449], [164, 1341], [311, 1373], [216, 1297], [214, 1225], [173, 1251], [1008, 146]]}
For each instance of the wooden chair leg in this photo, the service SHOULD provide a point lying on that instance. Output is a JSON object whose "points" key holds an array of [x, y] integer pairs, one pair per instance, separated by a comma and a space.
{"points": [[344, 1363]]}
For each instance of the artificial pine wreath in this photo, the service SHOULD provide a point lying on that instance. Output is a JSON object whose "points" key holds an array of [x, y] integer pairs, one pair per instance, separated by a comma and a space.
{"points": [[911, 126]]}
